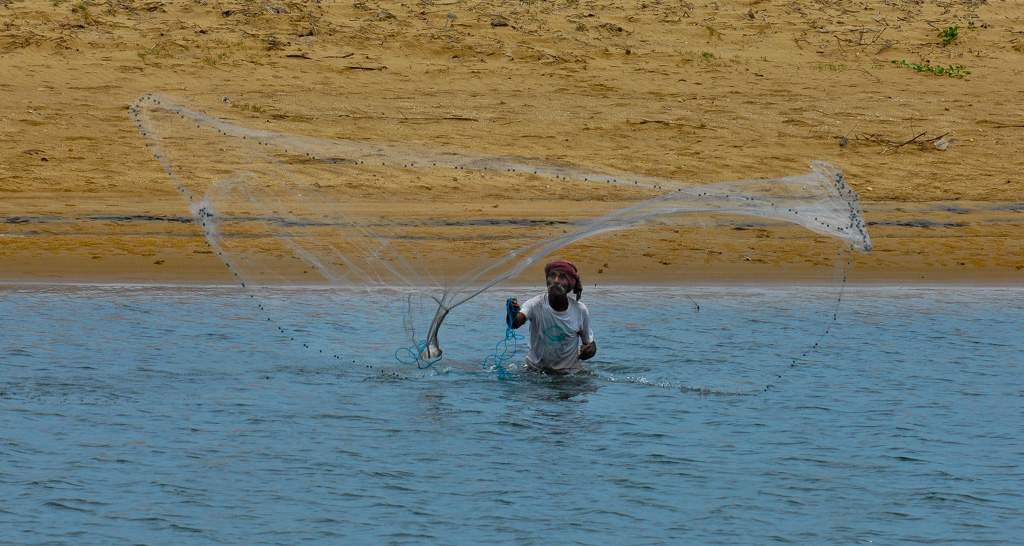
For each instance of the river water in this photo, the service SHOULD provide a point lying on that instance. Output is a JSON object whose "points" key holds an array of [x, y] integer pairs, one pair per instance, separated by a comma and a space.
{"points": [[165, 415]]}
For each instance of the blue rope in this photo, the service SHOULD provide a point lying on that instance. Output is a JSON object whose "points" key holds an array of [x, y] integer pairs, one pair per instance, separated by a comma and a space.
{"points": [[413, 355], [504, 350], [501, 348]]}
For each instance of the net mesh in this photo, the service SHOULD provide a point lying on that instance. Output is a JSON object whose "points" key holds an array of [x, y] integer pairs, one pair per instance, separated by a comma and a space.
{"points": [[281, 209]]}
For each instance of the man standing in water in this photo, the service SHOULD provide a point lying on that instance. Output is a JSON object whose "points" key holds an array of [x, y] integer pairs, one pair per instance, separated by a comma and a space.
{"points": [[557, 324]]}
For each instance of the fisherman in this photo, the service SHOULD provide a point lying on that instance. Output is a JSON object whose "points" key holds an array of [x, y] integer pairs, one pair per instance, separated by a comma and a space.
{"points": [[558, 325]]}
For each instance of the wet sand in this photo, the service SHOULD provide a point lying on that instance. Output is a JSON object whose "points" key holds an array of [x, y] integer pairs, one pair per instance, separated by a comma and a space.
{"points": [[703, 92]]}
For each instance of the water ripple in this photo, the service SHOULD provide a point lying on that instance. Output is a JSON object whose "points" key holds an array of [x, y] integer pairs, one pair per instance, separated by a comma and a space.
{"points": [[171, 415]]}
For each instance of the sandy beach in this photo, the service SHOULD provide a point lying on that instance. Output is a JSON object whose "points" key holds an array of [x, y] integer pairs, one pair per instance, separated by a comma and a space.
{"points": [[918, 102]]}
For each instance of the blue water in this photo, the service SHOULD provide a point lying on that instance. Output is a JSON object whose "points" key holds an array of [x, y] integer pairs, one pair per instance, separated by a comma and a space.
{"points": [[180, 414]]}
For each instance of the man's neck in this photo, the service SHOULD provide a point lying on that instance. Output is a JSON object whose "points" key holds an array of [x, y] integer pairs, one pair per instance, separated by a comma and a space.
{"points": [[558, 303]]}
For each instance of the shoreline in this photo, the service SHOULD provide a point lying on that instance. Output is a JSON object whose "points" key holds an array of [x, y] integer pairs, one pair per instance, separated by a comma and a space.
{"points": [[125, 273], [850, 285], [933, 247]]}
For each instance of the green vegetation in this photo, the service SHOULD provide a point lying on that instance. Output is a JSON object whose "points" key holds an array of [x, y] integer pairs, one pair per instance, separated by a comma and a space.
{"points": [[160, 50], [246, 107], [213, 60], [949, 35], [706, 58], [82, 11], [953, 70]]}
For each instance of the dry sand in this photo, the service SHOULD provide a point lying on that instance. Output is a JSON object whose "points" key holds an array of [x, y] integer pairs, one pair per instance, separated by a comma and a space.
{"points": [[698, 91]]}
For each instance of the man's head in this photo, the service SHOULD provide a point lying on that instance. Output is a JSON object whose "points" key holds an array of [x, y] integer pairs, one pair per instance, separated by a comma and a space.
{"points": [[562, 276]]}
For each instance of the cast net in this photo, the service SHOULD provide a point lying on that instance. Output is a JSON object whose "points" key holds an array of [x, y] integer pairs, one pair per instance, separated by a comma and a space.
{"points": [[442, 226]]}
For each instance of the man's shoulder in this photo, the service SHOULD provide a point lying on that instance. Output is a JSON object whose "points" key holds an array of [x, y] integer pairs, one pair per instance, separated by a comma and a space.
{"points": [[582, 307], [536, 301]]}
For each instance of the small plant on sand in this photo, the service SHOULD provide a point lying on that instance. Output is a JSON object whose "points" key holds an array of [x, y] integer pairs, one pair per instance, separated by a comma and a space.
{"points": [[953, 70], [211, 60], [82, 11], [246, 107], [949, 35], [160, 50], [706, 59]]}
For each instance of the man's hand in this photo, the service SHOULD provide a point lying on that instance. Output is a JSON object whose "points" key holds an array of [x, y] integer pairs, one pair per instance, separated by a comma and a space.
{"points": [[587, 351], [513, 316]]}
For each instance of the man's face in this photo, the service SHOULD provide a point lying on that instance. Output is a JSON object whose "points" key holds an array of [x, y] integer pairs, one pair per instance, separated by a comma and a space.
{"points": [[559, 283]]}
